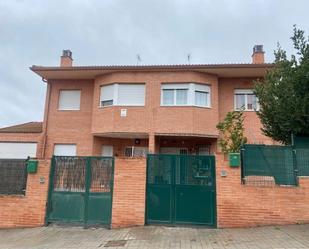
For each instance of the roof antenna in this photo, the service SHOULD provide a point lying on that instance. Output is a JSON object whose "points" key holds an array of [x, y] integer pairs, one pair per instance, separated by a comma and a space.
{"points": [[189, 58], [138, 58]]}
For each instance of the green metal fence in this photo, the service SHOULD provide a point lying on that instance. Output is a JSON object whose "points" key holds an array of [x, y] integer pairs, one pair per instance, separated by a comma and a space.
{"points": [[274, 164], [181, 189], [80, 190]]}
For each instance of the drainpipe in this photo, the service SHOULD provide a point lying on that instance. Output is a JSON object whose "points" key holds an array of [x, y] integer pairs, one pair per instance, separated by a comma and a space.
{"points": [[46, 112]]}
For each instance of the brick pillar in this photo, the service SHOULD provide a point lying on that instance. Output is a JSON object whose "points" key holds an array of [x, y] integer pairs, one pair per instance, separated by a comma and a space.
{"points": [[152, 143]]}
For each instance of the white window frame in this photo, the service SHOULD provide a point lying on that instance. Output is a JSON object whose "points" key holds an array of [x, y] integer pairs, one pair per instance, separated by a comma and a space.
{"points": [[192, 88], [116, 95], [69, 108], [245, 92]]}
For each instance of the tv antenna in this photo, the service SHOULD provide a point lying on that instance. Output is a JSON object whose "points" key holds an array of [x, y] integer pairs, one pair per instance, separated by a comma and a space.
{"points": [[189, 58], [138, 59]]}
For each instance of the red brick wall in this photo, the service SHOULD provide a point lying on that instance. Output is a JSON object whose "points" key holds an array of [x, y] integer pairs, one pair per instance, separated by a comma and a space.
{"points": [[129, 192], [153, 118], [243, 206], [28, 210], [70, 126], [252, 122]]}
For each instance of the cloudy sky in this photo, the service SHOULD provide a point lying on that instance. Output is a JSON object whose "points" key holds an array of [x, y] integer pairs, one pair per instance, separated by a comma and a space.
{"points": [[101, 32]]}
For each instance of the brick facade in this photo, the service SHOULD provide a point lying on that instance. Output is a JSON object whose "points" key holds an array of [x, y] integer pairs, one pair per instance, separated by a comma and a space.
{"points": [[28, 210], [244, 206], [129, 192]]}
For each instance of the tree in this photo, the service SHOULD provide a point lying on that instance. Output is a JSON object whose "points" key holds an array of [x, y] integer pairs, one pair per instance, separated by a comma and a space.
{"points": [[232, 132], [284, 92]]}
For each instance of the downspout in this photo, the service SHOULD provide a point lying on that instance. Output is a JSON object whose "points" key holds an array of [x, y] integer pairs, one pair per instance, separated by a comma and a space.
{"points": [[46, 112]]}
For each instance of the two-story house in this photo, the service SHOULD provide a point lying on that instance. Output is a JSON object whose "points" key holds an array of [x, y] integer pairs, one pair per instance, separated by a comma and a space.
{"points": [[135, 110], [132, 111]]}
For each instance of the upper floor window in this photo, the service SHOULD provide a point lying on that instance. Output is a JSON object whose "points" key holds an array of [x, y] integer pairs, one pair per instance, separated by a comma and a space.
{"points": [[123, 94], [244, 99], [69, 100], [185, 94]]}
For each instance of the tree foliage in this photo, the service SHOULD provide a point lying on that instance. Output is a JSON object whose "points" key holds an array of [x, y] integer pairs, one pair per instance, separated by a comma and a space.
{"points": [[232, 132], [284, 92]]}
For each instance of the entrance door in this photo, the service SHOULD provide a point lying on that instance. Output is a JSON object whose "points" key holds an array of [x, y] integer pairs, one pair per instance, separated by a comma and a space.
{"points": [[181, 189], [80, 190]]}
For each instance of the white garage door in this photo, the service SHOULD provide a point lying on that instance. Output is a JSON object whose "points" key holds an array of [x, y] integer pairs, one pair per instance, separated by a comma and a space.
{"points": [[10, 150]]}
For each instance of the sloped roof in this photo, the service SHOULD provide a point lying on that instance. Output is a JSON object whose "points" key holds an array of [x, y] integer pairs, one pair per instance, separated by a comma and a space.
{"points": [[30, 127]]}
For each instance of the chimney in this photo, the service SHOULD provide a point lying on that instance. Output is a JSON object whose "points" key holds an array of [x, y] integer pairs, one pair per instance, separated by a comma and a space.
{"points": [[66, 58], [258, 54]]}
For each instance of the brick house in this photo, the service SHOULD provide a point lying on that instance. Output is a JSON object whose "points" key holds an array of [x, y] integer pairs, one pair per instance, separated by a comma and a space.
{"points": [[125, 113], [133, 110]]}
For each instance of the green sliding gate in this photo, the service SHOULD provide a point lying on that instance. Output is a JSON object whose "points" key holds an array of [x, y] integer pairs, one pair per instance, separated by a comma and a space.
{"points": [[80, 190], [181, 189]]}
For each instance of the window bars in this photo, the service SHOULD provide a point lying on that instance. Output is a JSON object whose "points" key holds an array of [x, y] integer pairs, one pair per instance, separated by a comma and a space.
{"points": [[13, 176]]}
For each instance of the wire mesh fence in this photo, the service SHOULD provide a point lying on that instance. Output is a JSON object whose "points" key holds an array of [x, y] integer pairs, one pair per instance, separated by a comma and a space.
{"points": [[270, 165], [13, 176]]}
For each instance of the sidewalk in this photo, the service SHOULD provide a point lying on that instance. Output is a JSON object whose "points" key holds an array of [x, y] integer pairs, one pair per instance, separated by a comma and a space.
{"points": [[283, 237]]}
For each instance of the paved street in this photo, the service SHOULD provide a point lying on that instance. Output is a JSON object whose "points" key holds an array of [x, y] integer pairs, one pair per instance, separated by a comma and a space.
{"points": [[287, 237]]}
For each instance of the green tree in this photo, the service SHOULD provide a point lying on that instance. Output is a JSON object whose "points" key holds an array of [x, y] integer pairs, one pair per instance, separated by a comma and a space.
{"points": [[232, 132], [284, 92]]}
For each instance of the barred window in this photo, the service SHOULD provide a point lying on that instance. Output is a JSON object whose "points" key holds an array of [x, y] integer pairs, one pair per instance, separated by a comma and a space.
{"points": [[13, 176]]}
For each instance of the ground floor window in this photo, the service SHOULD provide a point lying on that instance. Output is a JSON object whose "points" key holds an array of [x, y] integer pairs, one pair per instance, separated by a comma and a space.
{"points": [[13, 176], [134, 151]]}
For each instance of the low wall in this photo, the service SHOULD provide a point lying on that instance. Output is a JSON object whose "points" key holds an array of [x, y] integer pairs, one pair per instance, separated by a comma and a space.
{"points": [[129, 192], [243, 206], [28, 210]]}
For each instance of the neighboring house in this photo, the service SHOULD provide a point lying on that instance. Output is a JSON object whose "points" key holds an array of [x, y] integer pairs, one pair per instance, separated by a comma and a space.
{"points": [[21, 141], [133, 110]]}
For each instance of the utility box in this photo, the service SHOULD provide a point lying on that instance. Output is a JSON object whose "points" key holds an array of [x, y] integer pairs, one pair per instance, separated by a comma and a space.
{"points": [[32, 166], [234, 159]]}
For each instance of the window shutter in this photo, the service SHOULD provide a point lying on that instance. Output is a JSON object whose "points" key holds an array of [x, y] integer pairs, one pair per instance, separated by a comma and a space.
{"points": [[10, 150], [107, 92], [69, 100], [65, 150], [131, 94]]}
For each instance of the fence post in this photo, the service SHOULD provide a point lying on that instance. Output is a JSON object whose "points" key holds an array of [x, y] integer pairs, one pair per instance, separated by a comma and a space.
{"points": [[295, 167], [242, 173], [87, 187]]}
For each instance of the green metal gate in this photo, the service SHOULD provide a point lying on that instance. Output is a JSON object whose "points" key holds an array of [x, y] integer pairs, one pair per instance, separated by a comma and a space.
{"points": [[80, 190], [181, 189]]}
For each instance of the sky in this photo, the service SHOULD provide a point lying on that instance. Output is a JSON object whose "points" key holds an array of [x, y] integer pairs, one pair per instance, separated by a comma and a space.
{"points": [[114, 32]]}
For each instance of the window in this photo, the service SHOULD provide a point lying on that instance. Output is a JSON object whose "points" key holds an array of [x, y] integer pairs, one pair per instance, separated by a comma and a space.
{"points": [[65, 150], [185, 94], [246, 100], [202, 95], [175, 94], [123, 94], [136, 151], [13, 176], [107, 150], [69, 100], [14, 150], [107, 95]]}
